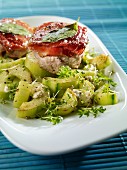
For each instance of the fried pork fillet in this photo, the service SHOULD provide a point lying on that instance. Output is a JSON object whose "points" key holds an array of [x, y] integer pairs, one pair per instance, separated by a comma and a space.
{"points": [[67, 51], [14, 37]]}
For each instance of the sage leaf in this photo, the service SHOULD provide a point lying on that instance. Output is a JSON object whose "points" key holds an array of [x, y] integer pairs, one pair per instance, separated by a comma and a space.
{"points": [[14, 29], [63, 33]]}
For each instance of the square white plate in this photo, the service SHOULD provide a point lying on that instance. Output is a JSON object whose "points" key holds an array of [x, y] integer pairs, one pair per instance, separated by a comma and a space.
{"points": [[41, 137]]}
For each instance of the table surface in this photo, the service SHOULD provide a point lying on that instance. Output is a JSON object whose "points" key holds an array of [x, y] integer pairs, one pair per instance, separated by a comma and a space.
{"points": [[108, 19]]}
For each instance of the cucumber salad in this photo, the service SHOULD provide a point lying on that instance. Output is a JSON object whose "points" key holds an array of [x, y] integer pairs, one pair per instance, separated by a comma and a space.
{"points": [[49, 72]]}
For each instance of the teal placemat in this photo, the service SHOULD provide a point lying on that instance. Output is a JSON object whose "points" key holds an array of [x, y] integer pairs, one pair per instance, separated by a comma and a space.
{"points": [[108, 19], [108, 155]]}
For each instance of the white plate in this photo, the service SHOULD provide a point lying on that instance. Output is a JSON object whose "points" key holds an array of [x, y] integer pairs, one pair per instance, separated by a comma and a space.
{"points": [[40, 137]]}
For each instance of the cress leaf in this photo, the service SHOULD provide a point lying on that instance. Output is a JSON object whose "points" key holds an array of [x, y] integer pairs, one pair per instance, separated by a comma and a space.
{"points": [[66, 71], [102, 77], [53, 119], [93, 110]]}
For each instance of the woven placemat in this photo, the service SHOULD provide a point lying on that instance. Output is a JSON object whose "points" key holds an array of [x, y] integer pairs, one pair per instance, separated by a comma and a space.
{"points": [[110, 154]]}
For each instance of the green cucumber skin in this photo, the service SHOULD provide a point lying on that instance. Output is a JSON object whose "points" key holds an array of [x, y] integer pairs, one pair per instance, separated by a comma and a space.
{"points": [[106, 98], [3, 95], [51, 84], [3, 77], [32, 108], [22, 94], [70, 103], [114, 99], [59, 85], [11, 64], [20, 72]]}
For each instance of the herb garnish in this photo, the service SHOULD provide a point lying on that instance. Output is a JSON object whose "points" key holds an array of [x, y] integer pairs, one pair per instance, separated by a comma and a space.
{"points": [[2, 101], [50, 113], [54, 119], [12, 90], [14, 29], [63, 33], [102, 77], [66, 71], [93, 110]]}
